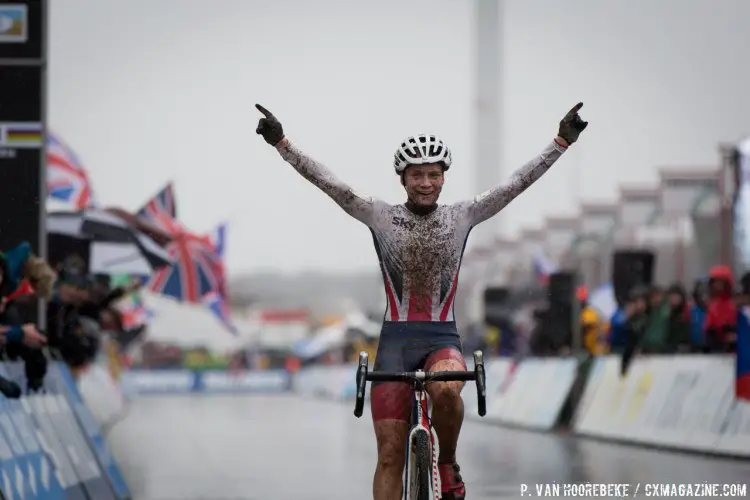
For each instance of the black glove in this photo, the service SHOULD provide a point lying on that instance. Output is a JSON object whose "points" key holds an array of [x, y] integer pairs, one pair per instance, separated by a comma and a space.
{"points": [[572, 125], [9, 389], [269, 127]]}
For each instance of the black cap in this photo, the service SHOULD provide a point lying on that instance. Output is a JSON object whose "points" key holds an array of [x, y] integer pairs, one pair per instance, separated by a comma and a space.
{"points": [[73, 274]]}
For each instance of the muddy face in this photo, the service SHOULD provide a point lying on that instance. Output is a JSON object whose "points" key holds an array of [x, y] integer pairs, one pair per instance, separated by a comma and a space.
{"points": [[423, 183]]}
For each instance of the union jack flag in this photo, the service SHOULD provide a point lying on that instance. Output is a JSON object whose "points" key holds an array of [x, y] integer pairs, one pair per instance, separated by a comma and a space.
{"points": [[218, 239], [67, 179], [218, 305], [196, 272], [161, 211]]}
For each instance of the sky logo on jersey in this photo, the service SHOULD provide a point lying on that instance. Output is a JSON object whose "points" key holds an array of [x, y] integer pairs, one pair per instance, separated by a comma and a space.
{"points": [[14, 24]]}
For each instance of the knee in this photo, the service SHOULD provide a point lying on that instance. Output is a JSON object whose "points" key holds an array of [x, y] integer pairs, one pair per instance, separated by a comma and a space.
{"points": [[391, 458], [446, 394], [391, 446]]}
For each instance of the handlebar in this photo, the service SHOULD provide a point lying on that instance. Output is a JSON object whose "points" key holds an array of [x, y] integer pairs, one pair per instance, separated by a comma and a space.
{"points": [[478, 376], [420, 376]]}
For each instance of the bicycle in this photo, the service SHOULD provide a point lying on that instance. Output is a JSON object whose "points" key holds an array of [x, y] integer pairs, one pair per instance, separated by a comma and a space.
{"points": [[421, 474]]}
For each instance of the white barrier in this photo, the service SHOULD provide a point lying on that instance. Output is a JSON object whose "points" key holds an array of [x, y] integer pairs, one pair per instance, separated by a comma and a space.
{"points": [[530, 394], [102, 394], [534, 394], [327, 382], [685, 402], [180, 381]]}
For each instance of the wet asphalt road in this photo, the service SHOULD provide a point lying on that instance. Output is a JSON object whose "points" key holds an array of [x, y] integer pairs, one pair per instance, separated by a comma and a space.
{"points": [[288, 448]]}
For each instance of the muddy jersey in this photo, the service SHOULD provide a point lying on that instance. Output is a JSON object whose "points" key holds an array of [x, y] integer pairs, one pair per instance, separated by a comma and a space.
{"points": [[420, 255]]}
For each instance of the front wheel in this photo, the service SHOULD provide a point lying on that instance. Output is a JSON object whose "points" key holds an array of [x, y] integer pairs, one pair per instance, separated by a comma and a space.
{"points": [[424, 466]]}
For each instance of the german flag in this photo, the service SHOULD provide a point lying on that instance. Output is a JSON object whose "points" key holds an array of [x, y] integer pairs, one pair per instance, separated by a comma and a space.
{"points": [[23, 135]]}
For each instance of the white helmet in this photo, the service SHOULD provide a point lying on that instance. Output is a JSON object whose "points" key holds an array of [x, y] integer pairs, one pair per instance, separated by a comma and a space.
{"points": [[419, 150]]}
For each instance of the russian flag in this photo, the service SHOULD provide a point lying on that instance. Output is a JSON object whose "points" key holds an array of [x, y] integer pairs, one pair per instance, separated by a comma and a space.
{"points": [[742, 385], [543, 267]]}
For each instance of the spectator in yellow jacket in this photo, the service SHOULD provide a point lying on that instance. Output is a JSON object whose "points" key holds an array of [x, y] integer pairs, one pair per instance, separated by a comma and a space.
{"points": [[592, 330]]}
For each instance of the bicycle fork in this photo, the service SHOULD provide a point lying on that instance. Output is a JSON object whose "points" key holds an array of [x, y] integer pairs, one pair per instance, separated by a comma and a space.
{"points": [[421, 425]]}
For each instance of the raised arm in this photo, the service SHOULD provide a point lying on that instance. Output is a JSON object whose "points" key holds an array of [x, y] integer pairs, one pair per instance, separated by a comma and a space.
{"points": [[495, 199], [359, 207]]}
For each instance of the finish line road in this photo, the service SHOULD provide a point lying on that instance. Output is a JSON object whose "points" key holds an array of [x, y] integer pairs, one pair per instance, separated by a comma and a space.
{"points": [[290, 448]]}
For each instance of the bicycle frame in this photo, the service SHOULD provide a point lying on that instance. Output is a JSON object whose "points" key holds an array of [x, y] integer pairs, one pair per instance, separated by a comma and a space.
{"points": [[420, 421]]}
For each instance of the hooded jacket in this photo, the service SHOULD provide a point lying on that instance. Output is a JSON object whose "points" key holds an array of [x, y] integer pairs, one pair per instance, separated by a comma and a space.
{"points": [[678, 332], [721, 314]]}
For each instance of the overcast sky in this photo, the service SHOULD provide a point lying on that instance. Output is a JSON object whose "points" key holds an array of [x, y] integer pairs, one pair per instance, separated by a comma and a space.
{"points": [[151, 91]]}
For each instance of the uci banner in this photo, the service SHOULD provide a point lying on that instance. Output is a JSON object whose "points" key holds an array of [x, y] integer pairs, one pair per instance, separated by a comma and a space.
{"points": [[46, 451]]}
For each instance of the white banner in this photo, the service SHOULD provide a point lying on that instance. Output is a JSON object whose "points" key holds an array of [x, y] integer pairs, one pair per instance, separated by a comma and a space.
{"points": [[684, 402], [534, 394], [101, 393], [531, 396]]}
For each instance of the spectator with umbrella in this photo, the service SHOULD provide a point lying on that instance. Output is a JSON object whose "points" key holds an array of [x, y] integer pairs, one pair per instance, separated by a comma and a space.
{"points": [[71, 338], [102, 296], [107, 243]]}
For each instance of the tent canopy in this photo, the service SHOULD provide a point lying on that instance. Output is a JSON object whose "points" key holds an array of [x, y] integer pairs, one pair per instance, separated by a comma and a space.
{"points": [[187, 325]]}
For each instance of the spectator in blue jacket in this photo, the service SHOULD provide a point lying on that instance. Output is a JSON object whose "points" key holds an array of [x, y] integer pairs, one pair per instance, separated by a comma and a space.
{"points": [[627, 322], [617, 329], [698, 316]]}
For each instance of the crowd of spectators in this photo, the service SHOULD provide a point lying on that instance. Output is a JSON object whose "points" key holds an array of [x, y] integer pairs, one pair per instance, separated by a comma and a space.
{"points": [[658, 320], [649, 319], [79, 312]]}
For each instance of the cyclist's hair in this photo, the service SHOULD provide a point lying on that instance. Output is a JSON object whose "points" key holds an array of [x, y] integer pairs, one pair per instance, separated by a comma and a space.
{"points": [[41, 276]]}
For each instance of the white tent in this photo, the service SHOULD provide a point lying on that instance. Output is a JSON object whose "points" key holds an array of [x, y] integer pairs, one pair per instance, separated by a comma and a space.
{"points": [[356, 319], [323, 340], [187, 325], [333, 336]]}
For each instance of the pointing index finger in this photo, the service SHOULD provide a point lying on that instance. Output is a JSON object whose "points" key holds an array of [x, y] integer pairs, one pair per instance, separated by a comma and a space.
{"points": [[575, 108], [263, 110]]}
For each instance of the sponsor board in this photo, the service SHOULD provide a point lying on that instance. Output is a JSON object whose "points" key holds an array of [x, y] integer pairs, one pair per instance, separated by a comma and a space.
{"points": [[204, 382], [529, 394], [214, 382], [44, 450], [684, 402], [92, 433]]}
